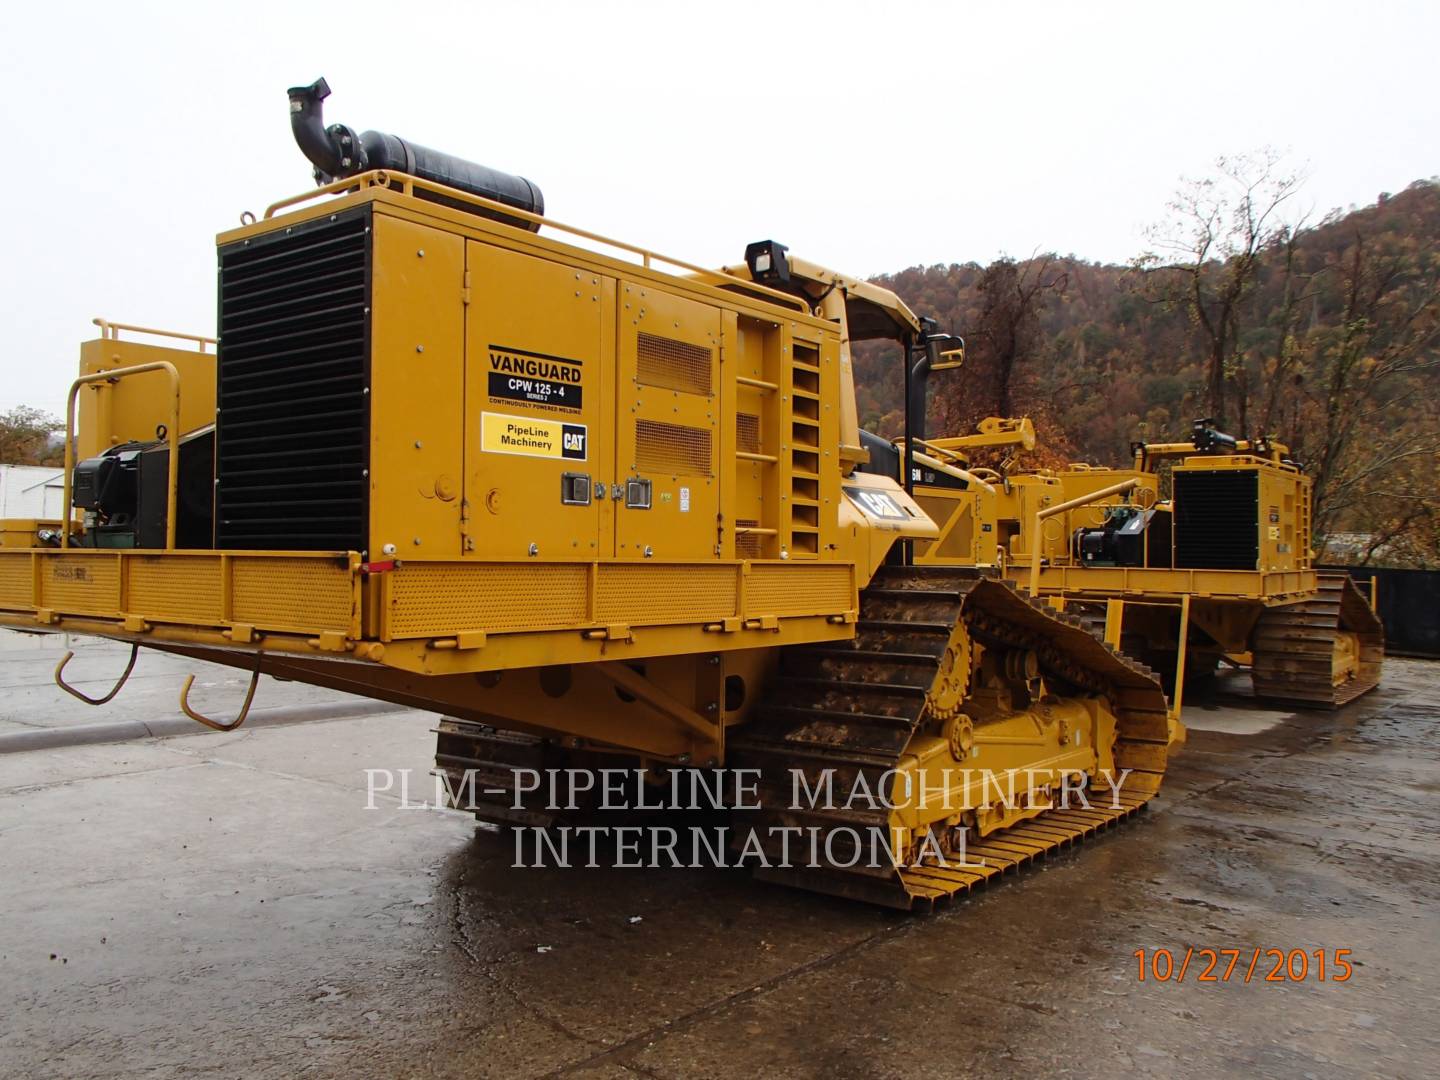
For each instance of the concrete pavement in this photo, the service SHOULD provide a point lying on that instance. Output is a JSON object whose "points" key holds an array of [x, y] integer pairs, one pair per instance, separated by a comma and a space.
{"points": [[227, 904]]}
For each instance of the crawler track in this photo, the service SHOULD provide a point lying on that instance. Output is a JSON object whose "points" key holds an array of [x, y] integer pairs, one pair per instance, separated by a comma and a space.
{"points": [[853, 708], [1297, 647], [479, 764]]}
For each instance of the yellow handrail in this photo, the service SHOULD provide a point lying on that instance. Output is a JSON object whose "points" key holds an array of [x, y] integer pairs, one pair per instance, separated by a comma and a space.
{"points": [[950, 470], [407, 184], [1060, 508], [172, 439], [941, 451], [111, 332]]}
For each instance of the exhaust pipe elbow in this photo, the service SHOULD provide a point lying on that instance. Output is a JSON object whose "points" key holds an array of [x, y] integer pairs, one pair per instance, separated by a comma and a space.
{"points": [[332, 151]]}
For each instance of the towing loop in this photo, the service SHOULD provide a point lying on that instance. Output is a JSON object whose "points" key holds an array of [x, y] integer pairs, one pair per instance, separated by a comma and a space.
{"points": [[124, 677], [216, 725]]}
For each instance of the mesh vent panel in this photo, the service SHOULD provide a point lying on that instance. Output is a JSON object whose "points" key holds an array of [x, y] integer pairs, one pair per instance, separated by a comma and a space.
{"points": [[747, 545], [665, 594], [779, 590], [442, 598], [84, 586], [675, 365], [747, 433], [186, 590], [299, 594], [672, 448], [17, 579]]}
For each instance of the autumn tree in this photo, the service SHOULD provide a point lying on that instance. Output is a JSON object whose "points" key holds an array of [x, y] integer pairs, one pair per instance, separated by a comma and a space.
{"points": [[1001, 322], [25, 436], [1398, 517], [1205, 259], [1012, 296], [1369, 412]]}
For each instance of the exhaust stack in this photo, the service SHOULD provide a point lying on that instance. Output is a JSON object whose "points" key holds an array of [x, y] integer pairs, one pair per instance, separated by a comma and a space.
{"points": [[338, 152]]}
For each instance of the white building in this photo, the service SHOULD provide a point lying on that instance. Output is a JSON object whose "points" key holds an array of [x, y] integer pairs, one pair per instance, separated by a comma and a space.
{"points": [[31, 491]]}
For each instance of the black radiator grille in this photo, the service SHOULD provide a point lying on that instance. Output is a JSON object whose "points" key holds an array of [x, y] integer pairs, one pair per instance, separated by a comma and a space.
{"points": [[1217, 520], [292, 438]]}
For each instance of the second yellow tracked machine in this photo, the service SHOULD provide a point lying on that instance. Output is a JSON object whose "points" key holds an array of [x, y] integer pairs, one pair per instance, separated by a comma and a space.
{"points": [[1217, 567]]}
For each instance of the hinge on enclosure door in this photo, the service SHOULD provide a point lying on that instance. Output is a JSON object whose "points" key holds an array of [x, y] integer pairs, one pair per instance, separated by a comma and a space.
{"points": [[465, 289]]}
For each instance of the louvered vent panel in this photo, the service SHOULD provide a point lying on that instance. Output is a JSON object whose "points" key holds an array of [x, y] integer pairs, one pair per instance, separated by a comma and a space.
{"points": [[672, 448], [293, 426], [1217, 520], [674, 365]]}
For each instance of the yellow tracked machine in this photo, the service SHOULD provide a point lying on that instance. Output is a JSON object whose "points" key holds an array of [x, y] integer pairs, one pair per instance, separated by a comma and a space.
{"points": [[1221, 568], [599, 507]]}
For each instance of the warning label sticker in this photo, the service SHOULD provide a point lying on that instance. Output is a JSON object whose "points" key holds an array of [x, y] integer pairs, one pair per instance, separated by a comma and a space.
{"points": [[501, 434], [551, 382]]}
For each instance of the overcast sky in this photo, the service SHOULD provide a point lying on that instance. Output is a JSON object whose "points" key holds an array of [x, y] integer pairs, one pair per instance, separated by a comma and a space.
{"points": [[870, 137]]}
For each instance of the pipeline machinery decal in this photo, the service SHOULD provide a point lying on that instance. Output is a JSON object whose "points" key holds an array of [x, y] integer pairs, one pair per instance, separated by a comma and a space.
{"points": [[501, 434]]}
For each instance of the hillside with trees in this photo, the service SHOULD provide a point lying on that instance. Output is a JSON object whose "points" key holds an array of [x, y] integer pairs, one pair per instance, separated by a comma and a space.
{"points": [[1324, 334]]}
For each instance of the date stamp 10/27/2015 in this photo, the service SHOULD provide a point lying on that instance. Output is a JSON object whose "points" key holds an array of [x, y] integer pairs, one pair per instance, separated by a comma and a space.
{"points": [[1254, 964]]}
